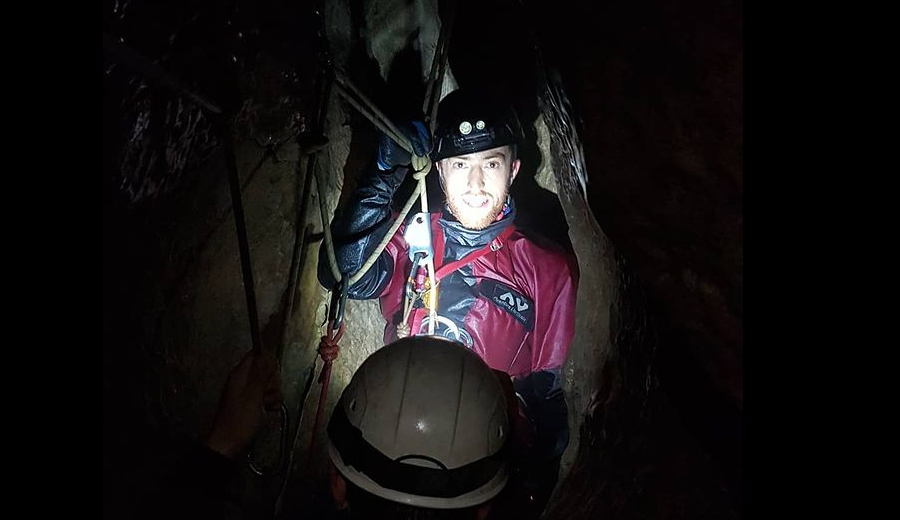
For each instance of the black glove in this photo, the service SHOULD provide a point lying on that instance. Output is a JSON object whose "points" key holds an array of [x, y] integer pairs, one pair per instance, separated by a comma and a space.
{"points": [[391, 154]]}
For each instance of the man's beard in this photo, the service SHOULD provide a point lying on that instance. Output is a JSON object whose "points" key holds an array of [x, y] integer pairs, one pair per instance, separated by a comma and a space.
{"points": [[464, 213]]}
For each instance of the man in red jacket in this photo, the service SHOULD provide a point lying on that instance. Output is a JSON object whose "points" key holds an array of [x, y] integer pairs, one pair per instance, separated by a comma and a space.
{"points": [[507, 295]]}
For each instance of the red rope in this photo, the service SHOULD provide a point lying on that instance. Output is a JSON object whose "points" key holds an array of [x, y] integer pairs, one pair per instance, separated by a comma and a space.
{"points": [[328, 351]]}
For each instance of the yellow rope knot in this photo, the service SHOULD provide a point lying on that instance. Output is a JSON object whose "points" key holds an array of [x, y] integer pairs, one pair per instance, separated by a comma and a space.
{"points": [[421, 167], [403, 330]]}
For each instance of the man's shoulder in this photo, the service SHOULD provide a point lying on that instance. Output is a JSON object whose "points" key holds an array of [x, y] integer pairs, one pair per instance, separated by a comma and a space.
{"points": [[533, 243], [547, 257]]}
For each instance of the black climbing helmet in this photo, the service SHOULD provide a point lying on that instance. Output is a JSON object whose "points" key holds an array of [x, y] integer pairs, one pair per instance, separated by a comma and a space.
{"points": [[470, 121]]}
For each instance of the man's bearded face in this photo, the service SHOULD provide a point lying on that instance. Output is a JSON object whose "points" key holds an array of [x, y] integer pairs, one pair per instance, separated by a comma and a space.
{"points": [[476, 184]]}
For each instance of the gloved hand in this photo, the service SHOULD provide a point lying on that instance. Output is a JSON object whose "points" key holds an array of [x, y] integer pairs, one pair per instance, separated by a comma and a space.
{"points": [[391, 154]]}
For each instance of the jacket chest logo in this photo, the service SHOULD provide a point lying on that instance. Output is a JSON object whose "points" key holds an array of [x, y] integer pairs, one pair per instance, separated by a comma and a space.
{"points": [[513, 302], [510, 300]]}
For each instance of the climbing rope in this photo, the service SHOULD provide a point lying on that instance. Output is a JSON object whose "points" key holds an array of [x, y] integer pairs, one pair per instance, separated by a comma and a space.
{"points": [[420, 165], [328, 344], [328, 351]]}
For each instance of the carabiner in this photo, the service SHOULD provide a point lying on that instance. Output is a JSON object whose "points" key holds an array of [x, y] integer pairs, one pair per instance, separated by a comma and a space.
{"points": [[338, 303]]}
